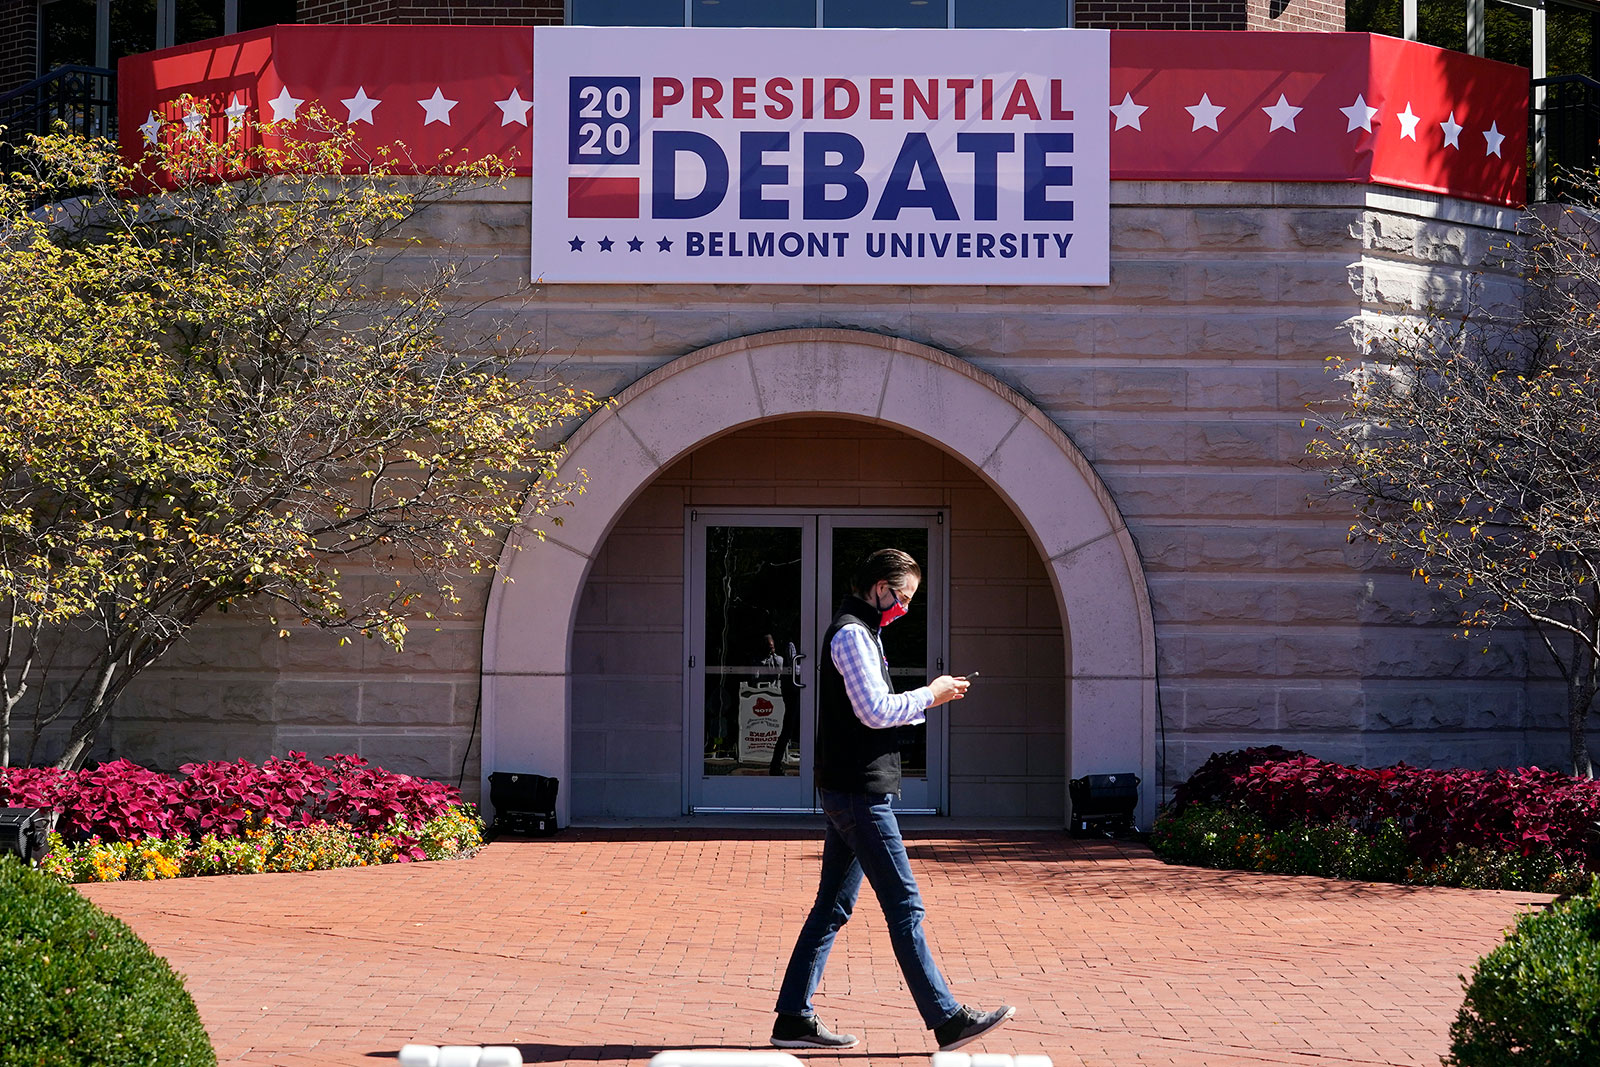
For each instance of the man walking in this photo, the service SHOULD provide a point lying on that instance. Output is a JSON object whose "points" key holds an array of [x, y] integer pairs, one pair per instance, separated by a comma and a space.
{"points": [[858, 774]]}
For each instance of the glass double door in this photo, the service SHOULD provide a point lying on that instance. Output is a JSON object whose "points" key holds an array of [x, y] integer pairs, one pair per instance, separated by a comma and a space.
{"points": [[762, 589]]}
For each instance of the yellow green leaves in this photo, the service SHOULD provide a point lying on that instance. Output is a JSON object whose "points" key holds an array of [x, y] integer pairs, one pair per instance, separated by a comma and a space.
{"points": [[209, 397]]}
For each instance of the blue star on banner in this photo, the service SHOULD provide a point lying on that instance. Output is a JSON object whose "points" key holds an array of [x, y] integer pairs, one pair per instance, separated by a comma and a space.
{"points": [[606, 243], [664, 244], [576, 244], [635, 245]]}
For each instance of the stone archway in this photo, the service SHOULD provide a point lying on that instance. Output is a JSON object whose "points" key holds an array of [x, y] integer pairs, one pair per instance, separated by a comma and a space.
{"points": [[1094, 567]]}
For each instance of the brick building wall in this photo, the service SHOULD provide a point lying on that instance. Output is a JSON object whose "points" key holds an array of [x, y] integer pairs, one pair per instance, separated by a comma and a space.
{"points": [[19, 45], [475, 12], [1211, 14], [1161, 14], [1324, 15]]}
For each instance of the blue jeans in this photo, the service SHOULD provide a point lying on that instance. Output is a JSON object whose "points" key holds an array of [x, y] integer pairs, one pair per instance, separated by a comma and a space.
{"points": [[863, 837]]}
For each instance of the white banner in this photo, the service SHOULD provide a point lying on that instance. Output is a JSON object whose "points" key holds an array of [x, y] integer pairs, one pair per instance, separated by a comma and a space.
{"points": [[821, 156]]}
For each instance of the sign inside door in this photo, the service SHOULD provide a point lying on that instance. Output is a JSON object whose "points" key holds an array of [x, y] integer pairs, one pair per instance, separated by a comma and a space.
{"points": [[761, 710]]}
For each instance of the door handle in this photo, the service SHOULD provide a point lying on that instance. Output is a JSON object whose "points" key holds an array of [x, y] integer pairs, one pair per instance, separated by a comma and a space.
{"points": [[795, 656]]}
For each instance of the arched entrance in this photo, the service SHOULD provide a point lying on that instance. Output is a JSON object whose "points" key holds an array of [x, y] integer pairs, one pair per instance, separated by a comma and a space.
{"points": [[1049, 485]]}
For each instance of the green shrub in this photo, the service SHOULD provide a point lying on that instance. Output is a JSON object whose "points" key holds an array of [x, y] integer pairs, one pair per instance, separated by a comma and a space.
{"points": [[1482, 868], [1338, 852], [78, 988], [1202, 835], [1208, 835], [1535, 1000]]}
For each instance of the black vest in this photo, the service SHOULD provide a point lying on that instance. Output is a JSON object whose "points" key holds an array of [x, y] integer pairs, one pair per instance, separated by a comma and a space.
{"points": [[851, 756]]}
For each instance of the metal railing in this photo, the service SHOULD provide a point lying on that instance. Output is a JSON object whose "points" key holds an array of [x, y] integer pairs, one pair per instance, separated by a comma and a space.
{"points": [[1563, 131], [85, 98]]}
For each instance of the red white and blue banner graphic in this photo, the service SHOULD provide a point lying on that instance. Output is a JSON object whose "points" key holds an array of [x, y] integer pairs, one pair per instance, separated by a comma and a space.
{"points": [[1172, 106], [1317, 106], [821, 156]]}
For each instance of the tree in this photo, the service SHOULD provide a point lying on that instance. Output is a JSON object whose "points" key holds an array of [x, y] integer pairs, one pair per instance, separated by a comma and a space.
{"points": [[207, 402], [1470, 447]]}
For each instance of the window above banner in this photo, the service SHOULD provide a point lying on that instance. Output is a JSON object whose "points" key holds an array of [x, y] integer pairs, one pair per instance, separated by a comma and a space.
{"points": [[834, 14]]}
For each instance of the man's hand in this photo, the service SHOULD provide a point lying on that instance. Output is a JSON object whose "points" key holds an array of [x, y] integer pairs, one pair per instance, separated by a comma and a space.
{"points": [[946, 689]]}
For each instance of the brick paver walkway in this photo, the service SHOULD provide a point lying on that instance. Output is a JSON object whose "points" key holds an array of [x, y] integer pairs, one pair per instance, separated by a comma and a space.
{"points": [[610, 945]]}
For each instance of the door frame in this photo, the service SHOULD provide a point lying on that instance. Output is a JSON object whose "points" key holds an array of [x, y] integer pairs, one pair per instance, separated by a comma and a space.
{"points": [[696, 522], [935, 595]]}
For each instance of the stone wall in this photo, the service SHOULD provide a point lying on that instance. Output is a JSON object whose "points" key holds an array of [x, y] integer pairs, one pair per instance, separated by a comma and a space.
{"points": [[1184, 382], [236, 690]]}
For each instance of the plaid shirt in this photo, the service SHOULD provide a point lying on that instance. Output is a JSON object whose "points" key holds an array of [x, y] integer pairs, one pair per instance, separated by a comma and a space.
{"points": [[859, 656]]}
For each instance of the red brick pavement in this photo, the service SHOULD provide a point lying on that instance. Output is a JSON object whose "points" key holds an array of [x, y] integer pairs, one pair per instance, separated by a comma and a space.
{"points": [[610, 945]]}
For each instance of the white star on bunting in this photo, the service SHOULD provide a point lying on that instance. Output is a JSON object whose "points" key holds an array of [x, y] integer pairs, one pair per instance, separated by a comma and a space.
{"points": [[1494, 137], [151, 128], [1452, 132], [1360, 115], [1205, 113], [1282, 115], [192, 120], [1128, 113], [1408, 122], [513, 109], [235, 112], [438, 107], [284, 106], [360, 106]]}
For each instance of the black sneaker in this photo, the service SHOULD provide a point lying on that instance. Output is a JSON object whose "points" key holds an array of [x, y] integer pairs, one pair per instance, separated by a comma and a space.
{"points": [[807, 1031], [968, 1025]]}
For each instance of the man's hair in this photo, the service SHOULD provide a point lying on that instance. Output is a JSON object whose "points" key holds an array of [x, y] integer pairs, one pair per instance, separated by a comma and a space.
{"points": [[886, 565]]}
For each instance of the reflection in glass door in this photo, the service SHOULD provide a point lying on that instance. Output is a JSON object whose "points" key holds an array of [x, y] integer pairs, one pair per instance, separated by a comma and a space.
{"points": [[752, 612], [762, 590]]}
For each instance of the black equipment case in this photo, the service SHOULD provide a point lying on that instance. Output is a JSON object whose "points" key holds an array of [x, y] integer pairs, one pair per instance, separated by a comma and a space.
{"points": [[523, 803], [1103, 804], [23, 832]]}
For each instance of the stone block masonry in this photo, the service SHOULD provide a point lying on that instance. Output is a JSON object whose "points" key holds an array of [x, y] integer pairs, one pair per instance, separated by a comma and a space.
{"points": [[1184, 382]]}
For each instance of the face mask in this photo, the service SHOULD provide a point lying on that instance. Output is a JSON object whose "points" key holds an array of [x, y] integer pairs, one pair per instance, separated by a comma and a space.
{"points": [[894, 611]]}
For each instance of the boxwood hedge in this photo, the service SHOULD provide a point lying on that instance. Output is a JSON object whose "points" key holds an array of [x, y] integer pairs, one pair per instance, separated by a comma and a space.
{"points": [[78, 987], [1535, 1000]]}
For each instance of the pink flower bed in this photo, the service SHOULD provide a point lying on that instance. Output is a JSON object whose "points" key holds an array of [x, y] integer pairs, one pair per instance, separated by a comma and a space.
{"points": [[122, 801]]}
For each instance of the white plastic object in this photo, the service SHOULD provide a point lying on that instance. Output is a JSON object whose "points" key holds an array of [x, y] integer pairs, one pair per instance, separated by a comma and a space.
{"points": [[987, 1059], [460, 1056]]}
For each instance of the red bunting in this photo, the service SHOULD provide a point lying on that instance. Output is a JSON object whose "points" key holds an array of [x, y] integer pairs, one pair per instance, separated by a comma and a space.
{"points": [[1185, 105]]}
